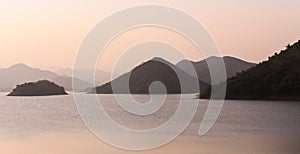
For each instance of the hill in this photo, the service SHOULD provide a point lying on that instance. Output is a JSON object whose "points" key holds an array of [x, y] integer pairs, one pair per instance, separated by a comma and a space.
{"points": [[39, 88], [278, 78], [66, 82], [21, 73], [101, 77], [157, 69], [232, 65]]}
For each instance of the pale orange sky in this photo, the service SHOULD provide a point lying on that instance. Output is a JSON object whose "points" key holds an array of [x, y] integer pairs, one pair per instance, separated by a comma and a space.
{"points": [[48, 33]]}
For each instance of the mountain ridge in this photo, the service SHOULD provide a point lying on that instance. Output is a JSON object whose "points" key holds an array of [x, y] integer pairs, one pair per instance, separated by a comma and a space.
{"points": [[232, 65], [21, 73], [142, 76]]}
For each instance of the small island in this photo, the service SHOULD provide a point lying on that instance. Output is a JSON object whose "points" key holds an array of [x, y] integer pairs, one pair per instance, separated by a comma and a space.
{"points": [[39, 88]]}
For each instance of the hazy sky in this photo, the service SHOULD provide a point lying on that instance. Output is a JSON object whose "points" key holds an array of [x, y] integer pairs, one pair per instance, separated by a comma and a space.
{"points": [[48, 33]]}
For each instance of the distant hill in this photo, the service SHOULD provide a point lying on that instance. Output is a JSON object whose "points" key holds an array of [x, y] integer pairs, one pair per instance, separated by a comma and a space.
{"points": [[21, 73], [157, 69], [278, 78], [232, 65], [101, 77], [66, 81], [39, 88]]}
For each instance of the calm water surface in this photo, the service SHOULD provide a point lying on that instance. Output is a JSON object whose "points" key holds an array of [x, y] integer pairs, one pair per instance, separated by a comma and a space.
{"points": [[53, 125]]}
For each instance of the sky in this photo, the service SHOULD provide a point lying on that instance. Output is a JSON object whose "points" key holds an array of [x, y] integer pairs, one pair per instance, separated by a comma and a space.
{"points": [[48, 34]]}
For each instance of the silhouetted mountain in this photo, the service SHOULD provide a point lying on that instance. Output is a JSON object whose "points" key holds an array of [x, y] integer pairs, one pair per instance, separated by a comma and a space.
{"points": [[39, 88], [278, 78], [21, 73], [138, 80], [232, 65]]}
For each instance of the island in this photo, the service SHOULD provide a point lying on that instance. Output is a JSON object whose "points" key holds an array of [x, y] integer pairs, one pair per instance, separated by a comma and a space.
{"points": [[39, 88]]}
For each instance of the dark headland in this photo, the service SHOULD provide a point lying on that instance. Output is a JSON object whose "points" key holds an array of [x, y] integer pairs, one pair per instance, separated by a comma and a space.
{"points": [[278, 78], [39, 88]]}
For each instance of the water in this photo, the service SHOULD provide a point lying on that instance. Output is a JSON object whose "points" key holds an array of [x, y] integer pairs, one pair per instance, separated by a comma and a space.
{"points": [[53, 125]]}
